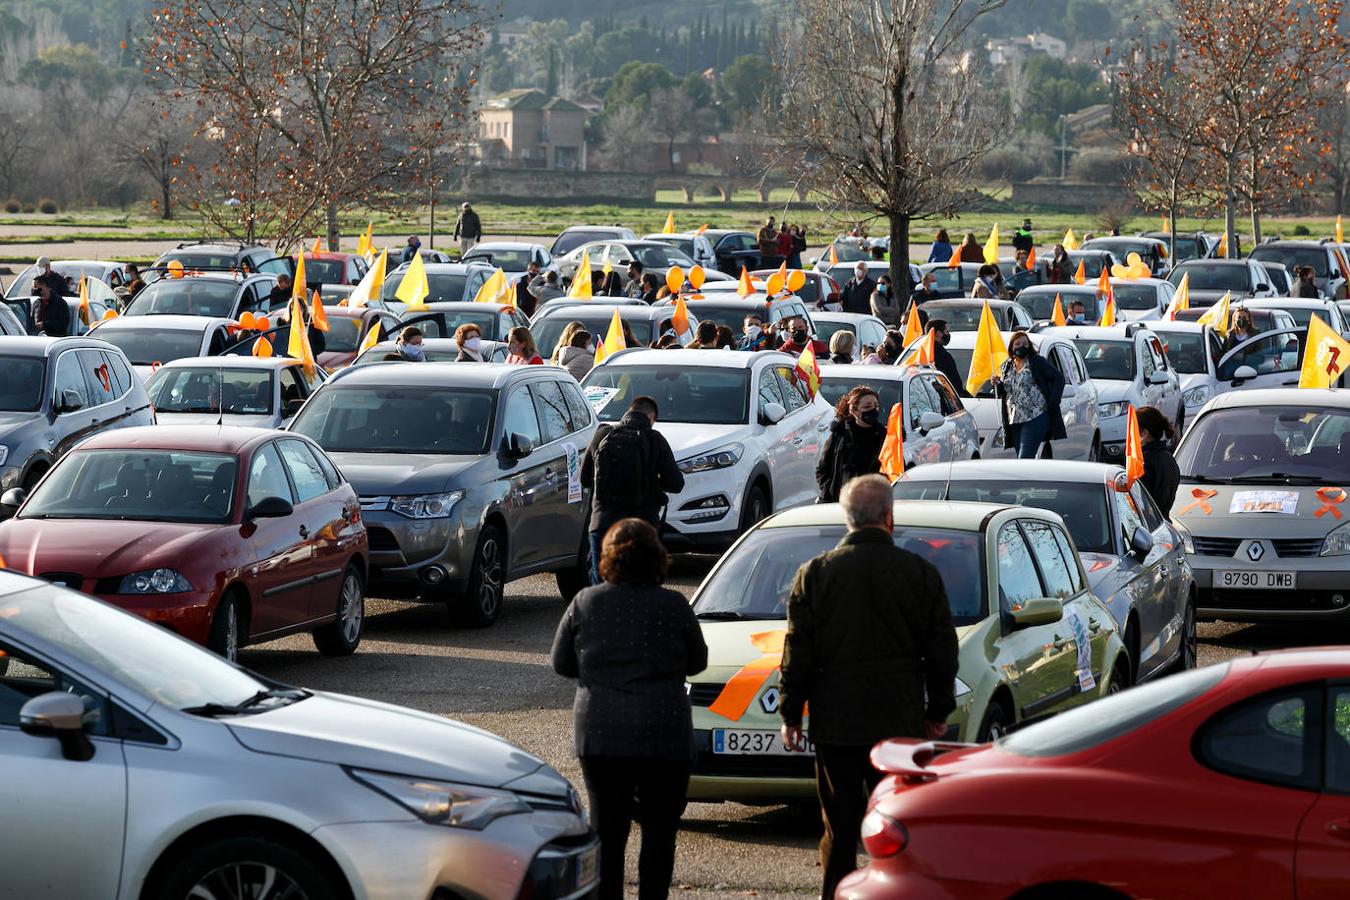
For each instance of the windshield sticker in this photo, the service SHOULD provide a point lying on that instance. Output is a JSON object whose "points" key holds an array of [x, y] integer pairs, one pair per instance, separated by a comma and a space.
{"points": [[1282, 502], [598, 396], [573, 472], [1080, 637]]}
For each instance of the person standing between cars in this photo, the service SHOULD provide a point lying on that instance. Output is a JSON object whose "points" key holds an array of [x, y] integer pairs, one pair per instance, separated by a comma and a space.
{"points": [[50, 277], [856, 296], [630, 469], [1244, 329], [942, 249], [631, 643], [842, 343], [854, 445], [1061, 269], [864, 614], [1022, 237], [469, 340], [971, 251], [1162, 475], [785, 244], [413, 248], [796, 336], [577, 357], [545, 288], [767, 237], [468, 228], [798, 246], [755, 337], [1030, 390], [133, 281], [525, 300], [650, 286], [521, 350], [883, 302], [943, 360], [51, 312], [633, 287], [1307, 284], [408, 344]]}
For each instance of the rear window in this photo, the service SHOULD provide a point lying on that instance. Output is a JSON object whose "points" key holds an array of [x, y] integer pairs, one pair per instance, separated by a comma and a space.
{"points": [[443, 288], [1108, 359], [1082, 506], [888, 390], [185, 297], [571, 240], [1292, 257], [325, 271], [547, 331], [145, 347], [1135, 296], [1212, 277]]}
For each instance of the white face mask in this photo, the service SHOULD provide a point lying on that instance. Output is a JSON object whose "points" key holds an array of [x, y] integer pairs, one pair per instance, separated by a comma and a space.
{"points": [[752, 331], [473, 344]]}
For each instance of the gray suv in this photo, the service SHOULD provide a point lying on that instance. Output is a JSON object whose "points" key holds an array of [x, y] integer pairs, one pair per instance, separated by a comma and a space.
{"points": [[469, 475], [54, 393]]}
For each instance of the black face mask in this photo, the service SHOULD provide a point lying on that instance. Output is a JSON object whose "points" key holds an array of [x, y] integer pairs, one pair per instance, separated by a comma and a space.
{"points": [[799, 336], [1021, 351], [946, 339], [872, 417]]}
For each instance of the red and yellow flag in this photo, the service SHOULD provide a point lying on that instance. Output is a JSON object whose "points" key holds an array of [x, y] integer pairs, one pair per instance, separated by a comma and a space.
{"points": [[834, 255], [1326, 357], [808, 370], [893, 447], [1134, 449]]}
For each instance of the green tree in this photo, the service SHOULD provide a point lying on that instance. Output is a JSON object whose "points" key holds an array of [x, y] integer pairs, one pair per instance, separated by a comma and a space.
{"points": [[635, 83], [745, 83], [1089, 19]]}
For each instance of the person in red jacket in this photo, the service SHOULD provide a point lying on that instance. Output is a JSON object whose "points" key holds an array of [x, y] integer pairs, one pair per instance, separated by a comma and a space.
{"points": [[797, 336]]}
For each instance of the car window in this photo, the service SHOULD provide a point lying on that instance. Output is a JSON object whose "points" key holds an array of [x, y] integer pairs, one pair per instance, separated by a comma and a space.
{"points": [[308, 478], [292, 385], [950, 402], [1156, 350], [97, 377], [520, 414], [1064, 362], [1338, 741], [1146, 359], [922, 399], [554, 420], [330, 472], [793, 390], [1017, 579], [24, 677], [118, 371], [1267, 739], [1147, 509], [576, 405], [275, 266], [267, 478], [69, 377], [1129, 516], [1267, 354], [1066, 550], [769, 390], [1050, 557]]}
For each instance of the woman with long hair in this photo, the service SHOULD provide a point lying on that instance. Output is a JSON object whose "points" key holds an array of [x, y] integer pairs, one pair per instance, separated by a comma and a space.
{"points": [[1029, 389], [521, 350], [942, 249], [854, 445], [1162, 475], [564, 341]]}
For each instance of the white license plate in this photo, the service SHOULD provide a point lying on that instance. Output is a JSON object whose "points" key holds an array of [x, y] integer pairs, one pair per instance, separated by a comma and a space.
{"points": [[1245, 579], [753, 743], [588, 867]]}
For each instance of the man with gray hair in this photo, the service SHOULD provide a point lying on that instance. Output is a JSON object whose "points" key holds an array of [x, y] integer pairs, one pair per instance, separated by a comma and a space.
{"points": [[871, 647]]}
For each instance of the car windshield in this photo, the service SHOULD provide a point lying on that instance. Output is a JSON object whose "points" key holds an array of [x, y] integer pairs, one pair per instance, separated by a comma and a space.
{"points": [[753, 581], [713, 396], [1123, 248], [199, 260], [1041, 303], [21, 383], [964, 318], [1186, 247], [1092, 263], [248, 392], [147, 346], [1302, 315], [442, 287], [1272, 444], [658, 257], [439, 352], [849, 250], [1135, 296], [684, 245], [1293, 257], [571, 240], [22, 285], [547, 330], [1112, 716], [185, 297], [398, 418], [1082, 506], [484, 318], [507, 260], [833, 387], [1108, 359], [1212, 277], [343, 335], [137, 485], [826, 330], [1186, 351], [325, 271]]}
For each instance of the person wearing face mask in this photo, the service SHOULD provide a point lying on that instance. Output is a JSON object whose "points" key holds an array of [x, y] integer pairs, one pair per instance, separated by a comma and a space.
{"points": [[1061, 267], [1029, 390], [409, 345], [520, 348], [755, 337], [884, 304], [927, 289], [796, 337], [988, 283], [469, 340], [1077, 313], [943, 360], [1243, 329], [854, 445], [856, 297]]}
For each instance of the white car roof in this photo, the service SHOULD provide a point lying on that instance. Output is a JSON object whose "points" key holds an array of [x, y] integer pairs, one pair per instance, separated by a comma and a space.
{"points": [[849, 318], [1092, 332], [965, 340], [682, 235], [1288, 303], [503, 245], [233, 362], [1168, 325], [1316, 398], [1014, 470], [694, 359], [162, 323], [1155, 282], [870, 373]]}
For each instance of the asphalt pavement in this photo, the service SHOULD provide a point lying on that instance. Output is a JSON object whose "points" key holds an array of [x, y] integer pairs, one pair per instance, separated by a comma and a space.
{"points": [[500, 679]]}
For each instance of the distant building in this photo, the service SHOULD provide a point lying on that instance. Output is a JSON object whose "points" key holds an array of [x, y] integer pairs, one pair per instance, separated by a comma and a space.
{"points": [[1012, 51], [526, 128], [509, 33]]}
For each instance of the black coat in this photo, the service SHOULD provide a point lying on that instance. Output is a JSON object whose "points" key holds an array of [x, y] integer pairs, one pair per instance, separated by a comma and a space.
{"points": [[1306, 291], [468, 226], [1051, 384], [849, 451], [648, 498], [631, 647], [856, 296], [1162, 475], [55, 316], [525, 301], [946, 364]]}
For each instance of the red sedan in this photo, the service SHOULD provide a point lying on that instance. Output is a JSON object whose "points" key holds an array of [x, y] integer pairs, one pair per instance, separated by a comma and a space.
{"points": [[1227, 781], [226, 536]]}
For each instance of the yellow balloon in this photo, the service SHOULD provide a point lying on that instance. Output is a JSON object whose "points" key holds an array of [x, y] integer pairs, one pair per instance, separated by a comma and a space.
{"points": [[262, 324], [675, 279], [796, 278], [696, 277], [1119, 271], [1134, 259], [774, 285]]}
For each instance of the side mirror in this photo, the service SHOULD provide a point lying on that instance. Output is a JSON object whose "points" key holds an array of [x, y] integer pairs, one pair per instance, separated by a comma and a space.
{"points": [[1262, 288], [930, 420], [70, 401], [772, 414], [1038, 611], [1070, 391], [59, 715], [293, 406], [1141, 542], [269, 508], [1157, 376], [1243, 373], [11, 500], [518, 446]]}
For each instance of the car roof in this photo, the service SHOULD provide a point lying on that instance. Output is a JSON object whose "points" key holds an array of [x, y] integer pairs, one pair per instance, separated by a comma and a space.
{"points": [[329, 254], [232, 276], [214, 246], [435, 268], [923, 513], [1173, 325], [965, 340], [1092, 332], [962, 302], [1067, 289], [1289, 243], [224, 438], [626, 310], [453, 306], [1152, 282], [825, 315], [683, 235], [40, 346], [438, 374], [870, 373], [1287, 303], [1109, 239], [1209, 262], [701, 359], [502, 245], [723, 232], [1315, 398], [233, 362], [166, 323], [1014, 470]]}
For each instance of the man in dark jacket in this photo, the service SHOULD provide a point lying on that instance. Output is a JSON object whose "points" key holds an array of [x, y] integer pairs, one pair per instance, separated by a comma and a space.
{"points": [[525, 301], [1023, 239], [856, 296], [629, 469], [797, 335], [468, 228], [51, 312], [943, 360], [859, 616], [50, 277]]}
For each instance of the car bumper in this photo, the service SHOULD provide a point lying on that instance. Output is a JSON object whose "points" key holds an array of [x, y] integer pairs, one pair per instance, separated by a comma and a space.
{"points": [[410, 555], [895, 878], [706, 515], [1321, 589], [188, 614], [1113, 451]]}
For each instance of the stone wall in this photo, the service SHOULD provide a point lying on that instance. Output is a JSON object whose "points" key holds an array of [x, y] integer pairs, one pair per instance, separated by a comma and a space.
{"points": [[521, 184], [1069, 195]]}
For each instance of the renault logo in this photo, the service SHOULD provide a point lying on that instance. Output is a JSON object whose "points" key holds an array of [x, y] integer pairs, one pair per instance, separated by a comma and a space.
{"points": [[768, 701], [1255, 551]]}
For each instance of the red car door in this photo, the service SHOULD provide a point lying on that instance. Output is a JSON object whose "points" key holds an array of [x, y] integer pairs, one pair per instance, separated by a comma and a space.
{"points": [[282, 577], [1323, 863], [327, 516]]}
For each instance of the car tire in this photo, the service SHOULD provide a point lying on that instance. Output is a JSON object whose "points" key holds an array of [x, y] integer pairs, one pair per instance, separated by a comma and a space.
{"points": [[994, 725], [229, 627], [1095, 451], [756, 507], [1188, 653], [33, 477], [573, 579], [481, 603], [1120, 676], [241, 867], [342, 636]]}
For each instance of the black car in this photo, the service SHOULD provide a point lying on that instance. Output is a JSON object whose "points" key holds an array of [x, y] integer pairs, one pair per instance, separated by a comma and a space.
{"points": [[734, 249], [218, 256]]}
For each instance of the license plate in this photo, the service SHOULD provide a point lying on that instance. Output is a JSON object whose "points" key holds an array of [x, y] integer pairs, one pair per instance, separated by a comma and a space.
{"points": [[1245, 579], [753, 743], [587, 867]]}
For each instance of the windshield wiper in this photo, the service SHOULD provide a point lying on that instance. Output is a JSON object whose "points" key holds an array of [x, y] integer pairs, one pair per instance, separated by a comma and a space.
{"points": [[211, 710], [719, 615], [1279, 478], [1205, 479]]}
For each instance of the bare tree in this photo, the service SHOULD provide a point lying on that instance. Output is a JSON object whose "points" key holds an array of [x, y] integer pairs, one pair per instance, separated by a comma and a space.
{"points": [[899, 128], [672, 116], [156, 145]]}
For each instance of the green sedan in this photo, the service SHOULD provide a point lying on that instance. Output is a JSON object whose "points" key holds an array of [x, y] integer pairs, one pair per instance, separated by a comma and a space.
{"points": [[1034, 640]]}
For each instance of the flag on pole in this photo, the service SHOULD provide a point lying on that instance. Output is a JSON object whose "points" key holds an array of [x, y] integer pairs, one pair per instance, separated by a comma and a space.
{"points": [[298, 347], [991, 247], [679, 321], [1081, 275], [1217, 316], [581, 280], [318, 245], [924, 353], [413, 289], [1340, 234], [372, 283], [1134, 448], [893, 447], [808, 370], [746, 287], [605, 265], [1109, 307], [1326, 356], [317, 314], [670, 223], [989, 354], [834, 255], [1222, 252], [362, 245], [1181, 299], [702, 228], [913, 328], [1031, 260], [1070, 242], [85, 315], [496, 289], [1057, 314], [954, 261], [298, 288], [371, 339], [613, 341]]}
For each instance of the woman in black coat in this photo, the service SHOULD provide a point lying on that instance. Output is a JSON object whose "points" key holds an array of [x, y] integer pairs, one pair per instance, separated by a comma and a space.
{"points": [[1161, 473], [630, 643], [854, 445], [1029, 389]]}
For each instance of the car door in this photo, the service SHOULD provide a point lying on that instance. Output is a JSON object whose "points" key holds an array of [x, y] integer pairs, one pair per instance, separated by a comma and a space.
{"points": [[1170, 396], [557, 523], [325, 513], [1146, 365], [920, 398], [1275, 356], [529, 491], [102, 389], [1320, 857], [1145, 581], [797, 478], [75, 419], [67, 818], [1085, 623], [775, 440], [1076, 444], [963, 439], [280, 581], [1174, 593]]}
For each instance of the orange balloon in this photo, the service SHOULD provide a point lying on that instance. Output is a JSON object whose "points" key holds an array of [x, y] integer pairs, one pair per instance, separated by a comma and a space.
{"points": [[774, 285], [796, 278], [261, 323], [175, 269], [246, 321], [696, 277], [675, 279]]}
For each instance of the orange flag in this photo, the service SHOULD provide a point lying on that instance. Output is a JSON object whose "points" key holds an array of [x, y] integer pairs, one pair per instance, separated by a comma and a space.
{"points": [[317, 315], [679, 321], [954, 261], [1134, 449], [1031, 260], [745, 288], [913, 330], [1104, 290], [834, 256], [808, 370], [1081, 275], [1108, 312], [925, 353], [318, 245], [262, 347], [1057, 315], [893, 447]]}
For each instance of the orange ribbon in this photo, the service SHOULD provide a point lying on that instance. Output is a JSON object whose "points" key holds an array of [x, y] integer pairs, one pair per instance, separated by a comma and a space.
{"points": [[1330, 497], [745, 684], [1201, 495]]}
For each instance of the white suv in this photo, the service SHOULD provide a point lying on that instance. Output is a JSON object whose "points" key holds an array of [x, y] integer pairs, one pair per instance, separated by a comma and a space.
{"points": [[744, 430]]}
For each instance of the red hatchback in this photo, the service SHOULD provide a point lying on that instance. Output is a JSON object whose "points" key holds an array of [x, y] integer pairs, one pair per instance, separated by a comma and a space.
{"points": [[226, 536], [1227, 781]]}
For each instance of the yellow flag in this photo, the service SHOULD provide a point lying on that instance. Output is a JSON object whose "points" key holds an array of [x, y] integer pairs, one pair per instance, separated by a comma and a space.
{"points": [[413, 289], [298, 347], [1070, 242], [372, 284], [581, 281], [1108, 312], [497, 289], [605, 265], [318, 245], [990, 352], [670, 223], [834, 255], [1222, 252], [1325, 358], [371, 339], [1164, 225], [1217, 316], [1340, 234], [85, 315], [1057, 314], [991, 247], [1081, 275], [913, 329], [1181, 299], [613, 341], [298, 285]]}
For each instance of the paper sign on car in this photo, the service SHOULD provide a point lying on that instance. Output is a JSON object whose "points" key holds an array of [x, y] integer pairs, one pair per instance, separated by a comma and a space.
{"points": [[598, 396], [1282, 502]]}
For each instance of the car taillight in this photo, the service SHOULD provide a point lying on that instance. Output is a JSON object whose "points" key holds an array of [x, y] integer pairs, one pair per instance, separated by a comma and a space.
{"points": [[882, 836]]}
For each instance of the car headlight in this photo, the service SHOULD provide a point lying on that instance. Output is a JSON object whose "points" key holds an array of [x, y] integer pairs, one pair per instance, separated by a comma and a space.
{"points": [[442, 803], [1111, 410], [426, 506], [155, 581], [1196, 395], [10, 478], [721, 458], [1337, 543], [4, 454], [1187, 542]]}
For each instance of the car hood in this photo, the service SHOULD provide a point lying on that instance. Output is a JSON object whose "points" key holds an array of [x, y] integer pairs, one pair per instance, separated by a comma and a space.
{"points": [[96, 549], [349, 731], [1226, 517], [14, 421], [1192, 380], [376, 474], [1110, 390], [690, 438]]}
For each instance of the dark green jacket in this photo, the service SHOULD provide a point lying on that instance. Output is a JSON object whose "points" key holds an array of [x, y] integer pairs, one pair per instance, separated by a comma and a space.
{"points": [[869, 629]]}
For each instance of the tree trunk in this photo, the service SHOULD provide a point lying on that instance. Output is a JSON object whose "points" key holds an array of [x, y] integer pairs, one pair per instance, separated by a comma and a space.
{"points": [[165, 200], [1256, 213], [331, 218], [1230, 209], [900, 281]]}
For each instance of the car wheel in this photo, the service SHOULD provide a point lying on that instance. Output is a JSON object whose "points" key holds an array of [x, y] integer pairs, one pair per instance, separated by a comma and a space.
{"points": [[34, 476], [573, 579], [1120, 677], [243, 868], [1188, 654], [756, 507], [1095, 451], [995, 724], [341, 636], [482, 600], [228, 631]]}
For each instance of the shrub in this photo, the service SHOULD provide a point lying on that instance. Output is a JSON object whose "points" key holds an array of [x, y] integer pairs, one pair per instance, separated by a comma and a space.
{"points": [[12, 205], [48, 206], [1301, 230], [1114, 218], [1100, 166], [1008, 164]]}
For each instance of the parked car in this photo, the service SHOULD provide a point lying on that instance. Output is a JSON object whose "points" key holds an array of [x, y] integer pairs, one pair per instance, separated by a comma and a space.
{"points": [[1269, 359], [1141, 299], [261, 790], [1019, 598], [330, 267], [646, 323], [1189, 244], [57, 392], [846, 250], [1134, 557], [656, 257], [252, 391], [446, 283], [207, 256], [215, 294], [1280, 278], [1039, 301], [1319, 255], [734, 249], [108, 272], [818, 291], [868, 330], [937, 427], [1153, 251], [952, 281], [1194, 351], [1302, 311], [436, 350], [1209, 279], [347, 328], [695, 246], [1263, 319], [1093, 262], [1242, 761], [745, 431], [576, 235], [963, 314], [469, 476], [151, 341], [512, 257], [21, 309]]}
